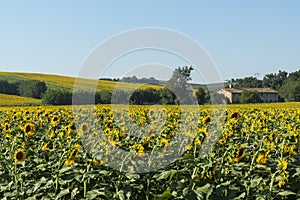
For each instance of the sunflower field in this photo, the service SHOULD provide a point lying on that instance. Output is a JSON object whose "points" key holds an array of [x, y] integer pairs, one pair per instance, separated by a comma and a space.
{"points": [[107, 152]]}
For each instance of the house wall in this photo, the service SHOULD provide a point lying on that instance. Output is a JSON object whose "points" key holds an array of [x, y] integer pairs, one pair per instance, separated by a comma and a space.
{"points": [[226, 94], [269, 97], [234, 97]]}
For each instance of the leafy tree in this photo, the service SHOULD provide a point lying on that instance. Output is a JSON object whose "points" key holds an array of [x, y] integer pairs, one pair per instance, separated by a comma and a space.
{"points": [[32, 88], [250, 97], [9, 88], [247, 82], [293, 76], [147, 96], [167, 96], [57, 97], [120, 97], [216, 98], [81, 97], [178, 84], [202, 96], [105, 97], [290, 91], [274, 81]]}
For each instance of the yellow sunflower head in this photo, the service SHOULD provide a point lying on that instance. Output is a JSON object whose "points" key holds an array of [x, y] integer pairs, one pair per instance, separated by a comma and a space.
{"points": [[46, 146], [20, 155], [55, 121], [6, 127], [29, 128], [84, 127], [75, 150], [69, 161]]}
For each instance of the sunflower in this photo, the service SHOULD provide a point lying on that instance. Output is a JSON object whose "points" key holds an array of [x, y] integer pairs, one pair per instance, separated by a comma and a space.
{"points": [[47, 145], [20, 155], [282, 164], [206, 120], [75, 150], [55, 121], [240, 154], [262, 158], [69, 161], [29, 129], [6, 127], [164, 141], [84, 127]]}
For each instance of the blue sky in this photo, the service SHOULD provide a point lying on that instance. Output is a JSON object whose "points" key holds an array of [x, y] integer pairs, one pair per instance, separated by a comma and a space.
{"points": [[242, 37]]}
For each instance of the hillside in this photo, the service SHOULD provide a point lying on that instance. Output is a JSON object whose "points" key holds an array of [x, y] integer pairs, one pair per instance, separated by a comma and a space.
{"points": [[68, 82], [13, 100]]}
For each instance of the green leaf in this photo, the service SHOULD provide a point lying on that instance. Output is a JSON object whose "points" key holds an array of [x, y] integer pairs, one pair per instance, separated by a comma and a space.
{"points": [[254, 182], [164, 175], [286, 193], [132, 176], [121, 195], [64, 169], [204, 189], [39, 183], [62, 193], [31, 198], [262, 167], [74, 192], [92, 194], [90, 174], [186, 191], [166, 195], [242, 196]]}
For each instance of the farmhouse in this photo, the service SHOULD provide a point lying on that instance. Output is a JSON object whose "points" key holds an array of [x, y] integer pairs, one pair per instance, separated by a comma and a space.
{"points": [[266, 94]]}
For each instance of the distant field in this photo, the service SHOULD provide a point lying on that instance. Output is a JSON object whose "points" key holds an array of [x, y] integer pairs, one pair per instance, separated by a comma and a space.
{"points": [[13, 100], [68, 82]]}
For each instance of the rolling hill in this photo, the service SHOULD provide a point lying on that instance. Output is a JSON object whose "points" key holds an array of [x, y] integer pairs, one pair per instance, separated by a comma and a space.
{"points": [[68, 82], [14, 100]]}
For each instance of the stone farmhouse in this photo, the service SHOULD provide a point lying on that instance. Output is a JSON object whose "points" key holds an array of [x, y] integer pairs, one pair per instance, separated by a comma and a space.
{"points": [[266, 94]]}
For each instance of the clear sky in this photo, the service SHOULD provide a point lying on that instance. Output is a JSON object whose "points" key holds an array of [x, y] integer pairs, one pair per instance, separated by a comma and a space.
{"points": [[242, 37]]}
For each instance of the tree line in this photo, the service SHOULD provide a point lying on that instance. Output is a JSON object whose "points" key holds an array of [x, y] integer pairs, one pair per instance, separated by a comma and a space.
{"points": [[287, 84], [177, 91], [26, 88]]}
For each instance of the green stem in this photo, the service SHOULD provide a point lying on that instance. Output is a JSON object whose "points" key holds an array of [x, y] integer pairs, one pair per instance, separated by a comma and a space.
{"points": [[84, 189], [271, 185]]}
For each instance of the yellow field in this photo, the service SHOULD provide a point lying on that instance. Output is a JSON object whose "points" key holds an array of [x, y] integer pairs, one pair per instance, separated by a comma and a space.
{"points": [[248, 151], [13, 100], [68, 82]]}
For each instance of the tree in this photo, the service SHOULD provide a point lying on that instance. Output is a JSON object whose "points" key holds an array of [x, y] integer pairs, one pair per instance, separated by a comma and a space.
{"points": [[293, 76], [274, 81], [166, 96], [250, 97], [120, 97], [32, 88], [146, 96], [105, 97], [248, 82], [178, 84], [216, 98], [290, 91], [201, 95], [9, 88], [57, 97]]}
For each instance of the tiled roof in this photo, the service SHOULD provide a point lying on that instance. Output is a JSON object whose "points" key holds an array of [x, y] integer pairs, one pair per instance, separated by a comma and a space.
{"points": [[260, 90]]}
